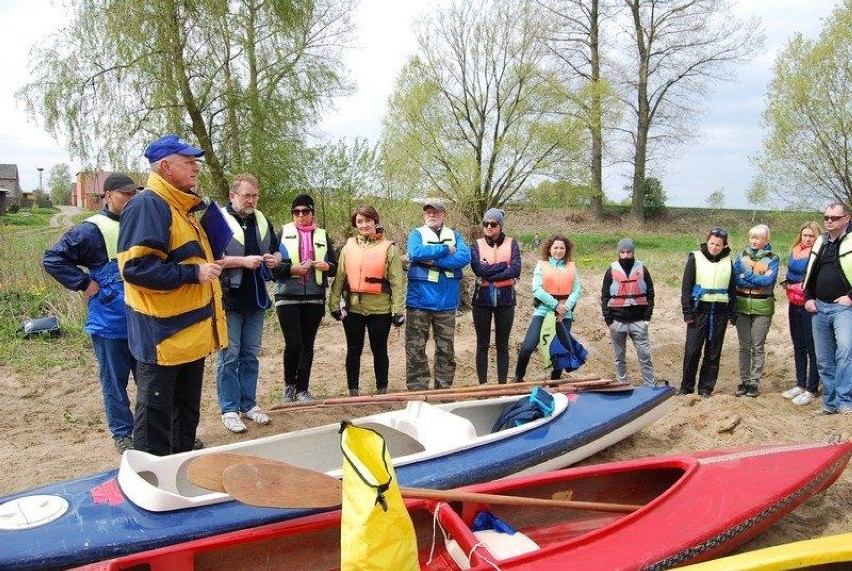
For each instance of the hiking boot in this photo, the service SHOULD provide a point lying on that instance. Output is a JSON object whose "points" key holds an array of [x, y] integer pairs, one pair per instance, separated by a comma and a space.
{"points": [[804, 398], [123, 444], [792, 393], [304, 396], [742, 389], [232, 422], [752, 391], [257, 415], [382, 391], [289, 394], [354, 392]]}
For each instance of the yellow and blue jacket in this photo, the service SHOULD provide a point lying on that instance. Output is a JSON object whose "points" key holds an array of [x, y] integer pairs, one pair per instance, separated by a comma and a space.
{"points": [[171, 318]]}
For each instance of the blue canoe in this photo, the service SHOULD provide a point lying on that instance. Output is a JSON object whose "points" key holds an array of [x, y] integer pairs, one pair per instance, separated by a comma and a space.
{"points": [[149, 502]]}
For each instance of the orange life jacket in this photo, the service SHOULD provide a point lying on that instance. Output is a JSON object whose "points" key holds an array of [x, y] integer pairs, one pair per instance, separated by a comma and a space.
{"points": [[628, 290], [365, 267], [494, 254], [558, 281]]}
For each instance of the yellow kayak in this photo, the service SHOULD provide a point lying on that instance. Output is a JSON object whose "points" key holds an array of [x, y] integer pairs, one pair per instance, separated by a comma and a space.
{"points": [[799, 555]]}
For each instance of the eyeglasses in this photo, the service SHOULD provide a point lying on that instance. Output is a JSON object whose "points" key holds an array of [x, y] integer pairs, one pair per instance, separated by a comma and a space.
{"points": [[489, 224], [300, 211], [828, 218], [249, 196], [720, 232]]}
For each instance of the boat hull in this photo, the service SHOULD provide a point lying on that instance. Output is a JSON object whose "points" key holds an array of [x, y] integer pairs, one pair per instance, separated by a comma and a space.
{"points": [[101, 523], [832, 552]]}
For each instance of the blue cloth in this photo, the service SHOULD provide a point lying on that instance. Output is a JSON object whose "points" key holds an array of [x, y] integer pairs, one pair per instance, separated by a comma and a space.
{"points": [[832, 327], [442, 295], [114, 366], [237, 366], [796, 268], [746, 278], [804, 353]]}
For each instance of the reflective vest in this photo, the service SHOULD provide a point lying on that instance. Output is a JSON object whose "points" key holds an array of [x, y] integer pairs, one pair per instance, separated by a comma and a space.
{"points": [[365, 266], [237, 245], [495, 254], [558, 281], [712, 278], [290, 239], [844, 254], [430, 237], [627, 290], [109, 230]]}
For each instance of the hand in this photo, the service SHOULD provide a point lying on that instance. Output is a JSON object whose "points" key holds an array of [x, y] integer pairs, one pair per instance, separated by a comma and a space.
{"points": [[337, 315], [208, 272], [688, 319], [810, 306], [843, 300], [272, 260], [320, 265], [561, 310], [398, 320], [451, 249], [252, 262], [92, 289]]}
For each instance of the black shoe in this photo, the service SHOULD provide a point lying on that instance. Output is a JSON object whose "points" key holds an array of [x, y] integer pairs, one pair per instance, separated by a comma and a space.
{"points": [[684, 392], [704, 395], [751, 391], [354, 393], [197, 445], [742, 389], [382, 391]]}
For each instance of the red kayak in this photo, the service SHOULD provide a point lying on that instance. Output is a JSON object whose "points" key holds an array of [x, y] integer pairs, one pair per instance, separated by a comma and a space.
{"points": [[691, 508]]}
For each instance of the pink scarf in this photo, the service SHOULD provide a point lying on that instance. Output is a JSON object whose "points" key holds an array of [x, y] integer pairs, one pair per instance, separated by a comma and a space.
{"points": [[306, 243]]}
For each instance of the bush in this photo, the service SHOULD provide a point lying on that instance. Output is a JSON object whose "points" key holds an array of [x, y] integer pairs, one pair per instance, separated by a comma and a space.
{"points": [[13, 209]]}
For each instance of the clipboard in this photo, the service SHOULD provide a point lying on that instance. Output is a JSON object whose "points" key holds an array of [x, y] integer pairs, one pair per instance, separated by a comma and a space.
{"points": [[218, 231]]}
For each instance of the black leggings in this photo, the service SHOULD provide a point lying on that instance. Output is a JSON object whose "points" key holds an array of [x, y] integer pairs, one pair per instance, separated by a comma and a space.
{"points": [[504, 316], [378, 328], [299, 324]]}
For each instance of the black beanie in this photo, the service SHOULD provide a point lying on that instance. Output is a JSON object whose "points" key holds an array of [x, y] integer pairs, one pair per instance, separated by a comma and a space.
{"points": [[303, 200]]}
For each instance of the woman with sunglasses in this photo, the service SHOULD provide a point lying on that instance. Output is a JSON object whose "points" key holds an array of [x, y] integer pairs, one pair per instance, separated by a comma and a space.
{"points": [[556, 288], [496, 261], [801, 331], [708, 301], [370, 284], [756, 269], [308, 261]]}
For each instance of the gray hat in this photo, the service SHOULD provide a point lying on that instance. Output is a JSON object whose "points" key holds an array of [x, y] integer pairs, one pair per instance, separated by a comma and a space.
{"points": [[436, 204], [496, 215], [626, 244]]}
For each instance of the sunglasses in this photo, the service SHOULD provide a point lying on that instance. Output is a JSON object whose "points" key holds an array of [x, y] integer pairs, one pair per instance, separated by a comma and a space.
{"points": [[828, 218], [300, 211], [720, 232], [490, 224]]}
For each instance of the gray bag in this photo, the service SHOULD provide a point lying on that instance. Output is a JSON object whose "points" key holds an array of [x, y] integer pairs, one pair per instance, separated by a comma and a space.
{"points": [[43, 326]]}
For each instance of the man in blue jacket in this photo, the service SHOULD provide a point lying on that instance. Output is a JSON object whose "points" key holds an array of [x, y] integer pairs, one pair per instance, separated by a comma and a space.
{"points": [[93, 245], [436, 255]]}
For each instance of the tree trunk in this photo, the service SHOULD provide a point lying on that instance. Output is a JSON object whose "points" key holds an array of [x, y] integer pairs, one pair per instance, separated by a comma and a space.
{"points": [[597, 194]]}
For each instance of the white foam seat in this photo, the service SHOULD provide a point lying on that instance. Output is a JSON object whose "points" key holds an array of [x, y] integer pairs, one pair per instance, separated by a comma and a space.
{"points": [[500, 545], [434, 428]]}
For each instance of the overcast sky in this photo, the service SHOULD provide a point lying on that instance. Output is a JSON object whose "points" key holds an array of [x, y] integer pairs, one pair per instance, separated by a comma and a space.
{"points": [[716, 160]]}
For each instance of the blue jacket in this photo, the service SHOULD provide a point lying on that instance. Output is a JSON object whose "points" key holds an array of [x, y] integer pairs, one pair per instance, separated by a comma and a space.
{"points": [[84, 246], [490, 295], [441, 294]]}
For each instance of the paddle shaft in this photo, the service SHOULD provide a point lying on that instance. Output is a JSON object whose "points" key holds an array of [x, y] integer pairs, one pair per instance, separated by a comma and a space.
{"points": [[500, 500]]}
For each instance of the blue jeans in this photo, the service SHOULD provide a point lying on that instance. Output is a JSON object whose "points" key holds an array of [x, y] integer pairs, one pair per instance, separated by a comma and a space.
{"points": [[237, 366], [804, 354], [115, 364], [832, 327]]}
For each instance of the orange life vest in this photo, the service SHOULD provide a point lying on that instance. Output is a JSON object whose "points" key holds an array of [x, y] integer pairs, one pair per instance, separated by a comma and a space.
{"points": [[628, 290], [494, 254], [365, 267], [558, 281]]}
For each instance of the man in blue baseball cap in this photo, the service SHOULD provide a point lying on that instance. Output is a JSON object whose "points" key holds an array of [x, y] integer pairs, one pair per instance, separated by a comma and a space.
{"points": [[174, 301]]}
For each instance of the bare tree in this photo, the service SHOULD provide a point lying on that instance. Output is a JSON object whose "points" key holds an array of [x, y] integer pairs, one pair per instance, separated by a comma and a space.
{"points": [[680, 46]]}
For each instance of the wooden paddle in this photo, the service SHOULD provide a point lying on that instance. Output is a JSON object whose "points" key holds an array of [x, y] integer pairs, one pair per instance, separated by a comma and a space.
{"points": [[279, 485], [205, 471]]}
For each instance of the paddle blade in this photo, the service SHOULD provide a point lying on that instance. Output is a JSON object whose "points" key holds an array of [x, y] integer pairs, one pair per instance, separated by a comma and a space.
{"points": [[280, 485], [206, 470]]}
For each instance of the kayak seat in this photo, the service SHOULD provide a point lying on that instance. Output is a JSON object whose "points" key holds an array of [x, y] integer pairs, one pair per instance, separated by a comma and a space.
{"points": [[434, 428]]}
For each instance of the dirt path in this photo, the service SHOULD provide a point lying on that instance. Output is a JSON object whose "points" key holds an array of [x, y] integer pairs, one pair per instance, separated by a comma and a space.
{"points": [[64, 219]]}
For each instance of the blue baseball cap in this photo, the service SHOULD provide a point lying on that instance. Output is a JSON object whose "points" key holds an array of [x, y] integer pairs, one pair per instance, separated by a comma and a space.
{"points": [[170, 145]]}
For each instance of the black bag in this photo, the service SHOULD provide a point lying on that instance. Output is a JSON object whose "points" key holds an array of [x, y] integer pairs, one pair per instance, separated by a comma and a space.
{"points": [[43, 326]]}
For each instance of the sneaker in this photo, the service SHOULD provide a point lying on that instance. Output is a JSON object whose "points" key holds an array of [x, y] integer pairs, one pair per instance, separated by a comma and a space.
{"points": [[704, 395], [752, 391], [123, 444], [684, 392], [792, 393], [354, 393], [823, 412], [232, 422], [742, 389], [304, 396], [804, 398], [198, 444], [289, 394], [257, 415]]}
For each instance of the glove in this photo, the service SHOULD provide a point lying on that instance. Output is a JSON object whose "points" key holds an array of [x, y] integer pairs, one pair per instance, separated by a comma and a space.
{"points": [[398, 320], [337, 315]]}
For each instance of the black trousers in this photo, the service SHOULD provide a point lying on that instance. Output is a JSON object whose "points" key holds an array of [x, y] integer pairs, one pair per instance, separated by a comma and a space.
{"points": [[168, 404], [504, 317], [702, 335], [299, 324], [378, 328]]}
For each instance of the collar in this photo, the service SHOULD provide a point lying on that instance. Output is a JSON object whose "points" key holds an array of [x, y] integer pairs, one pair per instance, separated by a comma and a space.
{"points": [[183, 201], [110, 214], [723, 254]]}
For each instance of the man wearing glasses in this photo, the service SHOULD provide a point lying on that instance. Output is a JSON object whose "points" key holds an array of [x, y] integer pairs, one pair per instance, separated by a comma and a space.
{"points": [[94, 245], [829, 298], [250, 256]]}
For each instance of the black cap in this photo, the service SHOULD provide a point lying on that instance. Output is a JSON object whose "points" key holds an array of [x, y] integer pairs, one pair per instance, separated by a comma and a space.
{"points": [[120, 182], [303, 200]]}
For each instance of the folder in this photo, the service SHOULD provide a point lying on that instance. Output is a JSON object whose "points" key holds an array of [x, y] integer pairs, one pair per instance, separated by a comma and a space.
{"points": [[218, 231]]}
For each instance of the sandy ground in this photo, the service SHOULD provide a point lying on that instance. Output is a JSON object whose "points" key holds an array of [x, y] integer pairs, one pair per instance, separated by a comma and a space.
{"points": [[53, 426]]}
